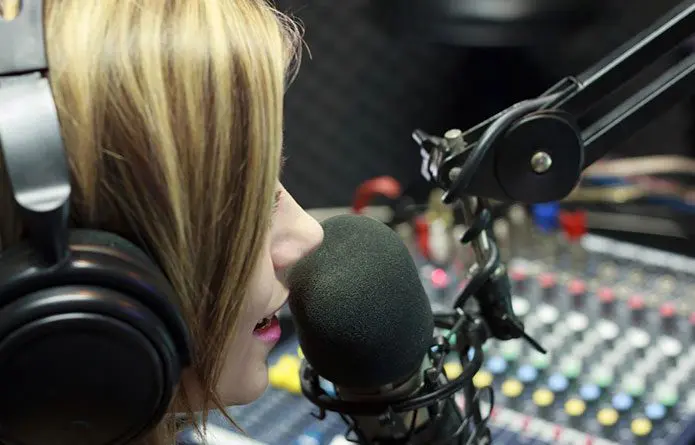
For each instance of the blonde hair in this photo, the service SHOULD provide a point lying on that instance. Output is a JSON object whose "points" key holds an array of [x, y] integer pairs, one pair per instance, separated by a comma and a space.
{"points": [[171, 112]]}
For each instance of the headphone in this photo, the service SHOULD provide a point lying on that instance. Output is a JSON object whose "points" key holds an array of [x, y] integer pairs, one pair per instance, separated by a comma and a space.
{"points": [[91, 344]]}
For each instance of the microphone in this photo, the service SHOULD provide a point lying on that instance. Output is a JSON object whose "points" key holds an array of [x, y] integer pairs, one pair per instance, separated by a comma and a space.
{"points": [[365, 325]]}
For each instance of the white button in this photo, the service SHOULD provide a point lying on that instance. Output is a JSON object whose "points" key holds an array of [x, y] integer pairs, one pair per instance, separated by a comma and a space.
{"points": [[521, 306], [547, 314], [607, 330], [638, 338], [670, 347]]}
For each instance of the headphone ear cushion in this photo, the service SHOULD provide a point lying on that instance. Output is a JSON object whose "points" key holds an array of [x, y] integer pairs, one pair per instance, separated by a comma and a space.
{"points": [[90, 351], [106, 239]]}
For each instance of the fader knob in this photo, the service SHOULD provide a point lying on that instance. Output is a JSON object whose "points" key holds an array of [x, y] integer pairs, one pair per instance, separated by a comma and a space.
{"points": [[606, 297], [547, 283], [636, 305], [577, 292], [518, 277], [668, 315]]}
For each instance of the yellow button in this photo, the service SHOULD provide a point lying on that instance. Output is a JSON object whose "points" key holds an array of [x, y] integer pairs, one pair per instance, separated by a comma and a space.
{"points": [[641, 427], [300, 354], [482, 379], [453, 370], [288, 362], [285, 374], [575, 407], [543, 397], [607, 416], [512, 388]]}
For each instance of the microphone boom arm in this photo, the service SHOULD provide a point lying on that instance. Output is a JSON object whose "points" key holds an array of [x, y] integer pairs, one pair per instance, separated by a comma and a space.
{"points": [[535, 150]]}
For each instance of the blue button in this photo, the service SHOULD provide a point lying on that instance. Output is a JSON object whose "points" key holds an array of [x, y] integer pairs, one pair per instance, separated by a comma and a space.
{"points": [[589, 392], [497, 365], [655, 412], [327, 386], [527, 374], [545, 215], [622, 402], [471, 353], [558, 383], [306, 439]]}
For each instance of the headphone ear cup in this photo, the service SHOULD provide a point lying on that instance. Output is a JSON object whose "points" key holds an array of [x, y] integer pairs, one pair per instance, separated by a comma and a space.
{"points": [[90, 352]]}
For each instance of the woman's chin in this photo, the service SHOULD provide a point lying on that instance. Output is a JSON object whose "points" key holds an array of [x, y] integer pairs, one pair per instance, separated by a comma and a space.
{"points": [[252, 387]]}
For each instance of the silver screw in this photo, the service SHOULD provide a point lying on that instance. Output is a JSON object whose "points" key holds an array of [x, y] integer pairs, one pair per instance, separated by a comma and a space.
{"points": [[541, 162]]}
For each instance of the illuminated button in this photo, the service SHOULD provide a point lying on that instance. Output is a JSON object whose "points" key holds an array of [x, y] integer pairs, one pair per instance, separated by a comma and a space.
{"points": [[285, 374], [577, 290], [482, 379], [497, 365], [511, 350], [608, 331], [521, 306], [539, 360], [634, 385], [607, 417], [547, 315], [577, 323], [602, 376], [622, 402], [670, 347], [666, 394], [517, 274], [641, 427], [575, 407], [667, 311], [527, 374], [309, 438], [543, 397], [558, 383], [636, 305], [606, 296], [453, 370], [512, 388], [439, 279], [655, 412], [571, 367], [327, 386], [589, 392], [638, 338], [547, 281]]}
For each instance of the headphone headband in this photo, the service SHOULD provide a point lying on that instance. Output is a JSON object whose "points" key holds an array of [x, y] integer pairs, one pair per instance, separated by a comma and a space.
{"points": [[30, 139]]}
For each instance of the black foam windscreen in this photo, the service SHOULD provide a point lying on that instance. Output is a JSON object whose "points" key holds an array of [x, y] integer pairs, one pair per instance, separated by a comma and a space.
{"points": [[360, 311]]}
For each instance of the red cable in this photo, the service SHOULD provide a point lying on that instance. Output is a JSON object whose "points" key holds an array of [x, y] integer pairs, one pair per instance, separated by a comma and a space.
{"points": [[365, 193]]}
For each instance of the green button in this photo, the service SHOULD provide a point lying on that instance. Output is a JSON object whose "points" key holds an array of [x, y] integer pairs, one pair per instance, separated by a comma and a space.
{"points": [[601, 376], [511, 350], [452, 339], [667, 396], [540, 361], [571, 367], [634, 385]]}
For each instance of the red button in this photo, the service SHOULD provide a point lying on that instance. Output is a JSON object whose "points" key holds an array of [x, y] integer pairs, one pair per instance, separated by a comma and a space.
{"points": [[635, 302], [667, 310], [576, 287], [517, 274], [546, 280], [606, 295]]}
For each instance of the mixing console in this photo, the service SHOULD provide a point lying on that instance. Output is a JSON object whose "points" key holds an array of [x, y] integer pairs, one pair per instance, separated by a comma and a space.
{"points": [[618, 321]]}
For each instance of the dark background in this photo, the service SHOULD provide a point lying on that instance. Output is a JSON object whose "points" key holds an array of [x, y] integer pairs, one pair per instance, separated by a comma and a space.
{"points": [[362, 89]]}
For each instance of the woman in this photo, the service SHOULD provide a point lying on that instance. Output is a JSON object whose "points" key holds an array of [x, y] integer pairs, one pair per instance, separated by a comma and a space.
{"points": [[171, 112]]}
